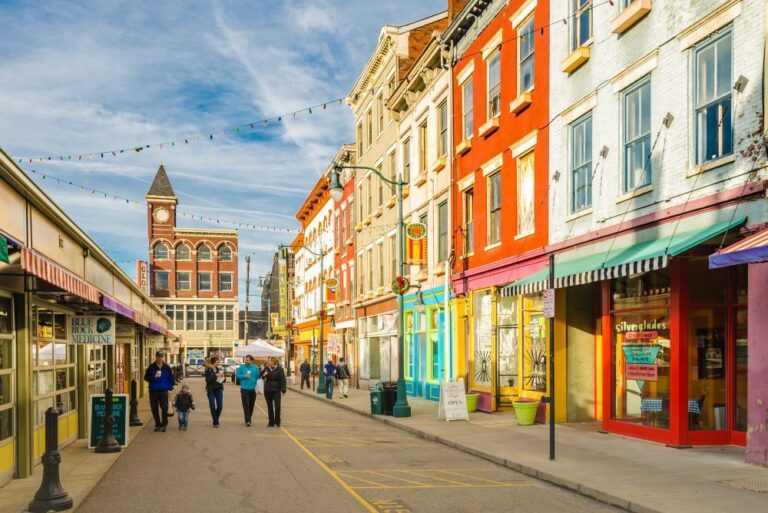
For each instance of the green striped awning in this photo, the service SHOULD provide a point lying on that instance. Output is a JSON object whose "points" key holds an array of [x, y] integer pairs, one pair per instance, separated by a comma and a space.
{"points": [[4, 250], [639, 252]]}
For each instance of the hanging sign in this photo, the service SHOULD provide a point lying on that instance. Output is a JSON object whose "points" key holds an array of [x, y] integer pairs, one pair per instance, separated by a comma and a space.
{"points": [[125, 332], [453, 401], [416, 244], [119, 413], [154, 341], [549, 303], [93, 329]]}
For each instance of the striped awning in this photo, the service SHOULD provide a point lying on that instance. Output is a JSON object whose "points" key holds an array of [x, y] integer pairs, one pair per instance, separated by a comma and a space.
{"points": [[751, 250], [640, 252], [36, 264]]}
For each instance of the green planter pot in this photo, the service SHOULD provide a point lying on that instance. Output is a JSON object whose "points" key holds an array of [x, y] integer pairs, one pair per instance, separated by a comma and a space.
{"points": [[526, 412], [472, 402]]}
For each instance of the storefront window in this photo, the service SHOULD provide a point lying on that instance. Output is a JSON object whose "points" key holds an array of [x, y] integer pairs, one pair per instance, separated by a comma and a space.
{"points": [[410, 346], [6, 368], [507, 341], [706, 364], [97, 368], [433, 340], [740, 356], [535, 334], [482, 338]]}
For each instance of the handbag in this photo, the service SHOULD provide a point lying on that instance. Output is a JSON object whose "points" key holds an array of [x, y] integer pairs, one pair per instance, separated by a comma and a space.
{"points": [[260, 387]]}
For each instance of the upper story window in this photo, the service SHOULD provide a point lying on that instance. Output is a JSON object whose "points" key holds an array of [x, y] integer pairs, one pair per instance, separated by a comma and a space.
{"points": [[183, 281], [161, 280], [623, 4], [525, 194], [392, 167], [161, 251], [369, 190], [204, 281], [381, 185], [581, 163], [423, 148], [225, 282], [442, 232], [182, 252], [466, 109], [494, 208], [360, 212], [203, 253], [359, 139], [369, 127], [407, 159], [581, 23], [380, 112], [525, 57], [637, 136], [468, 199], [225, 254], [714, 117], [442, 129], [494, 85]]}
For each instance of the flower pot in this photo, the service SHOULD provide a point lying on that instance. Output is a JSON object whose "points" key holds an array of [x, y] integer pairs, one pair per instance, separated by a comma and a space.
{"points": [[525, 411], [472, 402]]}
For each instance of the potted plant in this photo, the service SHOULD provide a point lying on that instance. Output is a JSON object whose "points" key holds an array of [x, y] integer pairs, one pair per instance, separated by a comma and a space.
{"points": [[525, 411]]}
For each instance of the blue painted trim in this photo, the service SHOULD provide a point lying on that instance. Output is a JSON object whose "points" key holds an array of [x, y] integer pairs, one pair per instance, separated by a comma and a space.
{"points": [[433, 392]]}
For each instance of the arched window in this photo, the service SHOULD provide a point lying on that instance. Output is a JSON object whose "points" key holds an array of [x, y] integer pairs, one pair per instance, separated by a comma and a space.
{"points": [[161, 251], [225, 254], [203, 253], [182, 252]]}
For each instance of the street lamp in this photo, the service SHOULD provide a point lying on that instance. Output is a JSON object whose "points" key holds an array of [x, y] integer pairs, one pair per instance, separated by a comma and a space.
{"points": [[418, 303], [402, 408], [321, 386]]}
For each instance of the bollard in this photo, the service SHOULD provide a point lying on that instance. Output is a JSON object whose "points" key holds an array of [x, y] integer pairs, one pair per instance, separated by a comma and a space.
{"points": [[108, 442], [134, 415], [50, 496]]}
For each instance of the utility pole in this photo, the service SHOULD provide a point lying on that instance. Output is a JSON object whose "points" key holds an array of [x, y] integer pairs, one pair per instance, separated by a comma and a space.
{"points": [[247, 295]]}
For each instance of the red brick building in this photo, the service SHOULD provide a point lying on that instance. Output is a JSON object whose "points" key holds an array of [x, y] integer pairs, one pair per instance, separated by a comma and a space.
{"points": [[193, 275]]}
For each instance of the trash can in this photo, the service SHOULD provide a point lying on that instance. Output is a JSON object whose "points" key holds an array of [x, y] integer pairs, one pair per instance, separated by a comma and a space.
{"points": [[389, 397], [376, 399]]}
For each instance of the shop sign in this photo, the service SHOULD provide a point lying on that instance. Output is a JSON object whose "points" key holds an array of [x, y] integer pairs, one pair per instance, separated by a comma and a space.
{"points": [[154, 341], [549, 303], [640, 359], [93, 329], [143, 275], [175, 347], [125, 332], [642, 372], [453, 401], [119, 412], [625, 327]]}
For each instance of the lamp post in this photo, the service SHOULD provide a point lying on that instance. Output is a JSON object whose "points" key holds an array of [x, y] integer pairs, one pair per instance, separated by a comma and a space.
{"points": [[321, 386], [402, 408]]}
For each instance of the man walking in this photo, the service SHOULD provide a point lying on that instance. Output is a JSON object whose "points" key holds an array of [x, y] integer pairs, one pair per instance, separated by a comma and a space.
{"points": [[248, 375], [304, 369], [330, 372], [160, 379], [343, 375]]}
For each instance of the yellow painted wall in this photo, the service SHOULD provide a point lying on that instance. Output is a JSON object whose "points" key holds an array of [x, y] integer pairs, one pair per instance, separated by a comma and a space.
{"points": [[12, 212], [45, 239], [7, 457], [67, 434]]}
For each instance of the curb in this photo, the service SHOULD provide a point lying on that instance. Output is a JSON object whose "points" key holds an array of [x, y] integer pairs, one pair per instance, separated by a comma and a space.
{"points": [[568, 484]]}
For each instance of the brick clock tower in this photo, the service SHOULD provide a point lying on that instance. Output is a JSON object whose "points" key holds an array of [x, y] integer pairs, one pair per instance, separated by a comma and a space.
{"points": [[192, 275]]}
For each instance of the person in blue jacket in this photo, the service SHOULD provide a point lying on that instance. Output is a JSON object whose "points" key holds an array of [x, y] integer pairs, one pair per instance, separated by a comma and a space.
{"points": [[160, 379], [248, 376]]}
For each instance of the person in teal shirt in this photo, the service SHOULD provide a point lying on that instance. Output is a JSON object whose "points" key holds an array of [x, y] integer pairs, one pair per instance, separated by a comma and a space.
{"points": [[248, 375]]}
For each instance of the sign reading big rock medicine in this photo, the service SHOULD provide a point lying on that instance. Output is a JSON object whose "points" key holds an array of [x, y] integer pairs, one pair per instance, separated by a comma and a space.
{"points": [[93, 329]]}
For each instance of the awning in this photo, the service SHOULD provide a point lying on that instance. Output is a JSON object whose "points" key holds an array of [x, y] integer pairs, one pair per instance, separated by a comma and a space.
{"points": [[116, 306], [637, 252], [37, 264], [751, 250]]}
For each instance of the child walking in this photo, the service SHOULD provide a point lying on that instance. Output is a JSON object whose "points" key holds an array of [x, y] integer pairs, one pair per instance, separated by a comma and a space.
{"points": [[182, 403]]}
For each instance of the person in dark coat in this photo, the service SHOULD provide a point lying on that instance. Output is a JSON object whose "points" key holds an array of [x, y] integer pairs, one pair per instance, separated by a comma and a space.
{"points": [[214, 387], [182, 403], [330, 372], [305, 369], [160, 379], [274, 387]]}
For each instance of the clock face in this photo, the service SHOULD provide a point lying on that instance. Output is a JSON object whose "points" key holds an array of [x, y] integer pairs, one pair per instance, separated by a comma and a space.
{"points": [[162, 215]]}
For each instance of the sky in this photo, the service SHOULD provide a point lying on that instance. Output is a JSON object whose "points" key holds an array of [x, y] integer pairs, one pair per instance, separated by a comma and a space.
{"points": [[83, 77]]}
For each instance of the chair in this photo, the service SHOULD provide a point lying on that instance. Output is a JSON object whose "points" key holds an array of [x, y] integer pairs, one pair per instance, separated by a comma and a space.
{"points": [[694, 419]]}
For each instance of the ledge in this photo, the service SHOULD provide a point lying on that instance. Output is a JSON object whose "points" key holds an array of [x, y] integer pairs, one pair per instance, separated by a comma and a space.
{"points": [[422, 276], [378, 212], [438, 270], [367, 220], [406, 191], [633, 13], [464, 146], [392, 202], [576, 59], [520, 103], [634, 194], [358, 227], [420, 180], [379, 291], [439, 165], [350, 241], [579, 214], [488, 127], [712, 164], [492, 246]]}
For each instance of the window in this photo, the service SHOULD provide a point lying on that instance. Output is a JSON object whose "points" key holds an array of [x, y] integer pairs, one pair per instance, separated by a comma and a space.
{"points": [[225, 254], [360, 201], [581, 23], [434, 328], [466, 109], [581, 163], [161, 251], [161, 280], [625, 3], [714, 128], [423, 147], [225, 281], [7, 374], [637, 137], [525, 195], [54, 363], [525, 56], [380, 111], [393, 256], [407, 160], [494, 208], [469, 220], [381, 185], [442, 231], [380, 262], [369, 127], [369, 257], [494, 85], [360, 275], [360, 139], [204, 281], [392, 167], [203, 253], [442, 129], [183, 281], [182, 252], [369, 190]]}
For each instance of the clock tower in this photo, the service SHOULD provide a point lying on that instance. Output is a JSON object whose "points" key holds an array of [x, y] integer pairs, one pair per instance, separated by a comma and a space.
{"points": [[161, 207]]}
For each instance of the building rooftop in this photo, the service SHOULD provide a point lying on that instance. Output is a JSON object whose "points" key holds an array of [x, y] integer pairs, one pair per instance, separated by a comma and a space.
{"points": [[161, 185]]}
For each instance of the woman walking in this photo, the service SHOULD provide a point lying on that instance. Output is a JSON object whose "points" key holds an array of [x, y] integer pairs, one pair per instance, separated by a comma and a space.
{"points": [[214, 386], [274, 386]]}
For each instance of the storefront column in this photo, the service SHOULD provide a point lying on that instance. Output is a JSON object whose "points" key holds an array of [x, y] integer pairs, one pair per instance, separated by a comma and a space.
{"points": [[678, 360], [111, 367], [24, 423], [82, 389], [757, 388]]}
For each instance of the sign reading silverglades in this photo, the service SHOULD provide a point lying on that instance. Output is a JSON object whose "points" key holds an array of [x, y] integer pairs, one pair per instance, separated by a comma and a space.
{"points": [[120, 414], [93, 329], [453, 401]]}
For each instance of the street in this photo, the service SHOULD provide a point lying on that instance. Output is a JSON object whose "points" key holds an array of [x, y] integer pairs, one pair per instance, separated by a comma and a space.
{"points": [[322, 459]]}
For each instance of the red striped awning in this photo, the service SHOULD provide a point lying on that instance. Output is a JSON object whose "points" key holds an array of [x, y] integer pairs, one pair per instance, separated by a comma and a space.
{"points": [[751, 250], [35, 263]]}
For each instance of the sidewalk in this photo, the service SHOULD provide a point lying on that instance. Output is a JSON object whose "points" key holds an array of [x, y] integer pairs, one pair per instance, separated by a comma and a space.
{"points": [[632, 474]]}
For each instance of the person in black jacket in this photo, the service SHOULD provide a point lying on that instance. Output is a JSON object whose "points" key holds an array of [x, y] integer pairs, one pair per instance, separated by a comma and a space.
{"points": [[214, 387], [160, 379], [274, 386], [182, 403], [304, 369]]}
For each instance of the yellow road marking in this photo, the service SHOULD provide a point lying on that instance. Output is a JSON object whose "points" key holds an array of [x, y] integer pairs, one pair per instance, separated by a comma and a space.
{"points": [[434, 477], [455, 473], [430, 486], [382, 474]]}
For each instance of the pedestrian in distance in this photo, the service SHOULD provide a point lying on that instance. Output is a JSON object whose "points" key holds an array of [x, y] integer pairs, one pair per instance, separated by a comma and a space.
{"points": [[183, 403], [160, 379], [342, 376], [305, 369], [248, 376], [330, 372], [274, 387], [214, 387]]}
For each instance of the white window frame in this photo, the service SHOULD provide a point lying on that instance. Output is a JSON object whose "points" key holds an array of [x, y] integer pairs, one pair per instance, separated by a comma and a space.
{"points": [[200, 281], [167, 280], [231, 282], [521, 34], [700, 107], [467, 108], [578, 167], [644, 139], [490, 210], [493, 92], [188, 276], [522, 230], [580, 10]]}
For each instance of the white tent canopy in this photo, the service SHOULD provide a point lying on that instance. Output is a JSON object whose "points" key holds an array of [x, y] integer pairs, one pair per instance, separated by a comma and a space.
{"points": [[259, 349]]}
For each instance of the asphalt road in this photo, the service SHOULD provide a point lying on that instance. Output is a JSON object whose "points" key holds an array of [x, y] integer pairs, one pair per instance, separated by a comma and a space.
{"points": [[323, 459]]}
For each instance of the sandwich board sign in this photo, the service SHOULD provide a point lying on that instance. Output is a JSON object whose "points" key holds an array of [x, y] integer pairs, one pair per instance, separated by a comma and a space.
{"points": [[453, 401], [97, 413]]}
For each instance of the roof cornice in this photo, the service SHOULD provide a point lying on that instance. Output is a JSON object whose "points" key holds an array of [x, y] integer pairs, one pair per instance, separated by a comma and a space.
{"points": [[386, 43], [464, 20]]}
